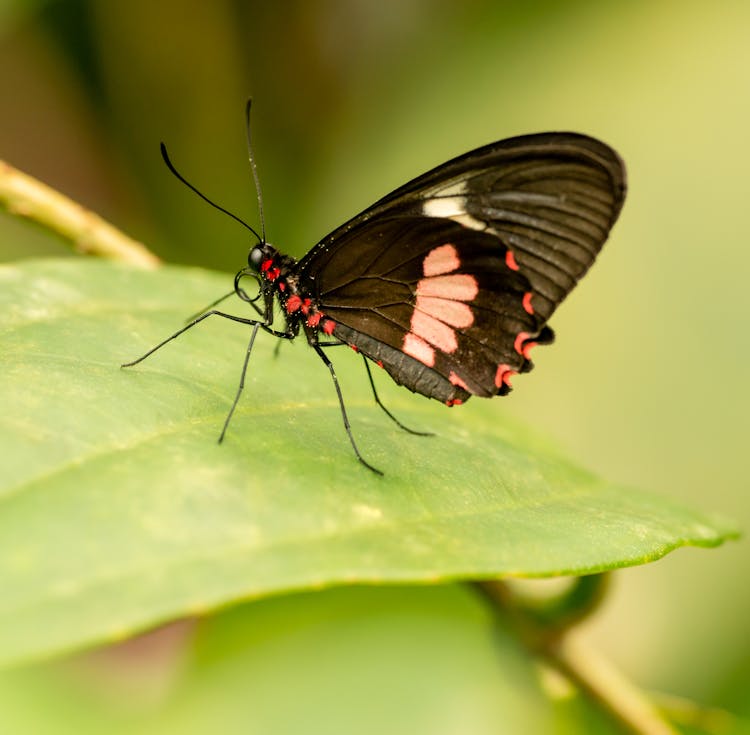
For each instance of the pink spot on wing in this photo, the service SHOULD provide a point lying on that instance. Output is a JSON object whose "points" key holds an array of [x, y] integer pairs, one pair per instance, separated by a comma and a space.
{"points": [[526, 351], [527, 302], [520, 339], [459, 287], [328, 326], [510, 260], [503, 375], [417, 348], [433, 331], [453, 402], [457, 381], [455, 313], [441, 260]]}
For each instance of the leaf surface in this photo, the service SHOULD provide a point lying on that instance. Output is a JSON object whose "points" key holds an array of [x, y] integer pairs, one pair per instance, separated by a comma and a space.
{"points": [[118, 509]]}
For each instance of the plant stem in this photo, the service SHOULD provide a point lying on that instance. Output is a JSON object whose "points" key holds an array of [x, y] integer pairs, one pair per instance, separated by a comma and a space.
{"points": [[583, 666], [598, 678], [24, 196]]}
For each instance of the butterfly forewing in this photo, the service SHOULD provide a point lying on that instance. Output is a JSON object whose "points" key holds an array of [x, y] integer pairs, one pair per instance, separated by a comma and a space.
{"points": [[551, 198], [458, 270]]}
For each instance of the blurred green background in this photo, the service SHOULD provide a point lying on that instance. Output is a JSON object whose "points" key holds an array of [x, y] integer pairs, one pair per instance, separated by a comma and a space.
{"points": [[646, 384]]}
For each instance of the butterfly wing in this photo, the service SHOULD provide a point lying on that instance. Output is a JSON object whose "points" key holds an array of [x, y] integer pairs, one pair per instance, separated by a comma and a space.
{"points": [[451, 278]]}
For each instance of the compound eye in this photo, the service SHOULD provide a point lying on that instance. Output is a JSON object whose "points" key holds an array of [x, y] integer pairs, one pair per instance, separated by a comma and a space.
{"points": [[255, 258]]}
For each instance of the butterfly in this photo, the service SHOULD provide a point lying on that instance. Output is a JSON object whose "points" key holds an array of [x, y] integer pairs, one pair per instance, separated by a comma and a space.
{"points": [[448, 282]]}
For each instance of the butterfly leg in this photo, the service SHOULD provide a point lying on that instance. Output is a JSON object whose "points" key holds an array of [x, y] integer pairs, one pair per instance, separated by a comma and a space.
{"points": [[190, 325], [240, 388], [387, 412], [209, 306], [242, 383], [347, 426]]}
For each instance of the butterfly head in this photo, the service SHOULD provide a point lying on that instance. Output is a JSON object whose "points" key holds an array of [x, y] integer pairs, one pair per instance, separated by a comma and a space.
{"points": [[271, 266], [265, 260], [256, 256]]}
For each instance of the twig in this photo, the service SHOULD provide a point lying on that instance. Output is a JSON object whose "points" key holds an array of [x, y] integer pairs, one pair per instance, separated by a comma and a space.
{"points": [[25, 196], [589, 671], [598, 678]]}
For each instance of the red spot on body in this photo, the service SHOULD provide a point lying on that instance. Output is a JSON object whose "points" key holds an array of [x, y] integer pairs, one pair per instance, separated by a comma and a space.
{"points": [[273, 273], [510, 260], [527, 302], [293, 303], [306, 306], [313, 319], [266, 264], [503, 375], [328, 326], [457, 381], [282, 287], [441, 260]]}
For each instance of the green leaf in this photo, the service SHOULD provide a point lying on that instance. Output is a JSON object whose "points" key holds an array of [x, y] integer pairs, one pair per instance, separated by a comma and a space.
{"points": [[118, 509], [353, 660]]}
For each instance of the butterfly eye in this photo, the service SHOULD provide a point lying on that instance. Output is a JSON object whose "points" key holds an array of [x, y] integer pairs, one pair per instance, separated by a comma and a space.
{"points": [[255, 258]]}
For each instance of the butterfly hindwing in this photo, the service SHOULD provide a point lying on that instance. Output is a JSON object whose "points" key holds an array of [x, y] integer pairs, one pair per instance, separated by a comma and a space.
{"points": [[428, 295]]}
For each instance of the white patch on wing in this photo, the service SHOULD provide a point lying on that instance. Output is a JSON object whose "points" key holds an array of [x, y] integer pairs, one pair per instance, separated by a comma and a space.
{"points": [[444, 206], [452, 207], [471, 222]]}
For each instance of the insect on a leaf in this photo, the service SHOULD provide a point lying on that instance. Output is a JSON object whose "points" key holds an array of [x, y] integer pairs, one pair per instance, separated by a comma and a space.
{"points": [[446, 283]]}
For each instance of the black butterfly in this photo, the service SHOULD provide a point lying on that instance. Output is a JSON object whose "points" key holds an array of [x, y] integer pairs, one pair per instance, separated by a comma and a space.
{"points": [[448, 282]]}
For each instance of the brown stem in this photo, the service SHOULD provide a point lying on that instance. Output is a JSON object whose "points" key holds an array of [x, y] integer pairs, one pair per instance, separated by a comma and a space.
{"points": [[616, 694], [24, 196], [589, 671]]}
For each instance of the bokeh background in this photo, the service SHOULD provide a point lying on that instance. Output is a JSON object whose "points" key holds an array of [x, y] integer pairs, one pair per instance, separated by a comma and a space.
{"points": [[647, 383]]}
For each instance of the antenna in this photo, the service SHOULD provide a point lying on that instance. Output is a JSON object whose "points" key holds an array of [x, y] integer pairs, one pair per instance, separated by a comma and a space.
{"points": [[254, 169], [171, 167]]}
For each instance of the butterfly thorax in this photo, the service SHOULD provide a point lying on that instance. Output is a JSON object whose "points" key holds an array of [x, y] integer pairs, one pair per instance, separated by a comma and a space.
{"points": [[281, 280]]}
